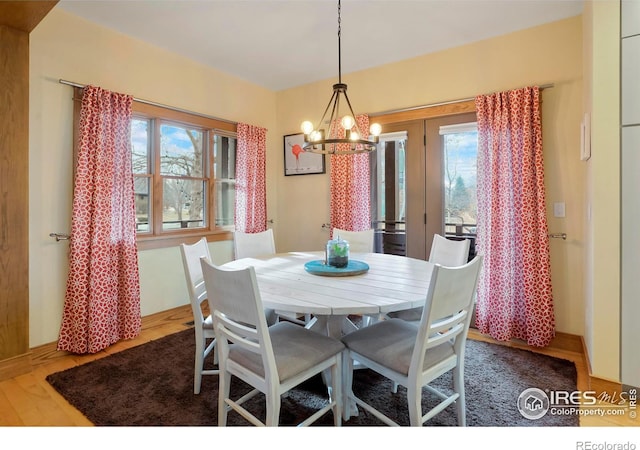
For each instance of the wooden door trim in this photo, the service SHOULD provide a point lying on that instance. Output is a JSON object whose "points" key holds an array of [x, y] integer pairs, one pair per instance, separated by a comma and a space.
{"points": [[427, 112]]}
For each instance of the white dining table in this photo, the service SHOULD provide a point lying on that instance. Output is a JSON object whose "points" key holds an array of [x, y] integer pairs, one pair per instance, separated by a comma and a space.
{"points": [[391, 283]]}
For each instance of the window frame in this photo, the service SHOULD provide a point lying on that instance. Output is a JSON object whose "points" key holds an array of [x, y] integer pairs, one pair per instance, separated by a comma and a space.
{"points": [[157, 238], [158, 177]]}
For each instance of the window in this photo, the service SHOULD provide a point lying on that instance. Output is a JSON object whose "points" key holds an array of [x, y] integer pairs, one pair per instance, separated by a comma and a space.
{"points": [[460, 156], [184, 175], [184, 171]]}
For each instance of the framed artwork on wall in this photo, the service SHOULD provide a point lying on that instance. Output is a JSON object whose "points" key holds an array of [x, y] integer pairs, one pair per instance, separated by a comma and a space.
{"points": [[299, 162]]}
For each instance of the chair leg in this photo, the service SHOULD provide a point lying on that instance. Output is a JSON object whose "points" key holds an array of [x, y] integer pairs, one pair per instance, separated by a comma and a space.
{"points": [[216, 360], [414, 402], [273, 409], [224, 386], [336, 381], [458, 386], [347, 380], [199, 363]]}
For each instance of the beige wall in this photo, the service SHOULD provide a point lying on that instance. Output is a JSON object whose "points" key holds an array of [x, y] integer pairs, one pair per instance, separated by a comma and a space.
{"points": [[65, 47], [548, 54]]}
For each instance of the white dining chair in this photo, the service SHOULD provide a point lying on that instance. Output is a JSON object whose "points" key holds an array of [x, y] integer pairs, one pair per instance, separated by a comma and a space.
{"points": [[414, 356], [273, 360], [250, 245], [359, 241], [449, 252], [203, 326], [446, 252]]}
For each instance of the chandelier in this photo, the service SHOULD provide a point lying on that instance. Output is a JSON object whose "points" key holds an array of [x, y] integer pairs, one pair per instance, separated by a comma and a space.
{"points": [[347, 138]]}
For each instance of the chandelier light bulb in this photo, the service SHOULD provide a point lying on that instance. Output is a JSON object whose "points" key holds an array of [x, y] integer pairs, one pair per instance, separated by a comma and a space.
{"points": [[354, 136], [306, 127], [375, 129], [348, 122], [314, 136]]}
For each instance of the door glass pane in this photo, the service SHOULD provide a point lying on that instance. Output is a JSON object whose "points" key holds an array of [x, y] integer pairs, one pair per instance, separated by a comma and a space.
{"points": [[388, 202], [460, 180]]}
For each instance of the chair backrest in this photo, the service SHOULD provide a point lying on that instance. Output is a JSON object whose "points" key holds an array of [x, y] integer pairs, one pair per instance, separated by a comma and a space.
{"points": [[446, 315], [247, 245], [449, 252], [238, 314], [359, 241], [191, 254]]}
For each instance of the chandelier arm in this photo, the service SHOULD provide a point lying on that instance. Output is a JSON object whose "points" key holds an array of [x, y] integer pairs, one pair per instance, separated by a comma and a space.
{"points": [[325, 111], [335, 116]]}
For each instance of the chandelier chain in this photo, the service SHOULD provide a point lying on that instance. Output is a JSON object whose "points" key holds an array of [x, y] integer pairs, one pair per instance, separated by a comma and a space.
{"points": [[339, 46]]}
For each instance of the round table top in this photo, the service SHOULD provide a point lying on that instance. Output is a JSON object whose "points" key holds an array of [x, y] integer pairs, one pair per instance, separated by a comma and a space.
{"points": [[392, 283]]}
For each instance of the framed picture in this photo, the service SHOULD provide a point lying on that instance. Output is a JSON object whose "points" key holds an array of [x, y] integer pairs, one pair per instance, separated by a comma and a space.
{"points": [[299, 162]]}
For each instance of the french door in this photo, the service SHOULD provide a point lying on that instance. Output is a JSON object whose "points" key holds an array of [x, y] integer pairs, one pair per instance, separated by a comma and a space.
{"points": [[409, 201]]}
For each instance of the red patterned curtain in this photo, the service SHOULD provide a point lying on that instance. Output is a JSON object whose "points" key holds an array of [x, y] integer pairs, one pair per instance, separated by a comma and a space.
{"points": [[102, 301], [251, 181], [514, 293], [350, 187]]}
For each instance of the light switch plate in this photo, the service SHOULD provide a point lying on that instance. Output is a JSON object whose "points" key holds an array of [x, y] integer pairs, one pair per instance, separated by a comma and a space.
{"points": [[558, 209]]}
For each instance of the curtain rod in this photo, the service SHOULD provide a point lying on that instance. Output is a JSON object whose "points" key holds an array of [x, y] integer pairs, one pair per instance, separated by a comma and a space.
{"points": [[450, 102], [147, 102]]}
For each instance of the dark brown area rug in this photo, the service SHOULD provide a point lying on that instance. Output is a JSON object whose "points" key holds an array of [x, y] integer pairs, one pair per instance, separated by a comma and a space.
{"points": [[152, 385]]}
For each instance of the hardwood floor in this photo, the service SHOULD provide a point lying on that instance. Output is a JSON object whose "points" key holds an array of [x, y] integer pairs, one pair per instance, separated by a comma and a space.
{"points": [[28, 400]]}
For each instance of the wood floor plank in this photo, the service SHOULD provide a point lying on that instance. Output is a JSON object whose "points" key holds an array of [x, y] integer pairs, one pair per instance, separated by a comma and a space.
{"points": [[8, 415]]}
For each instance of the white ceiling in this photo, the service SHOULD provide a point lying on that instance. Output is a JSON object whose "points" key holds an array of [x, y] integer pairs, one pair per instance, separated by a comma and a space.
{"points": [[280, 44]]}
